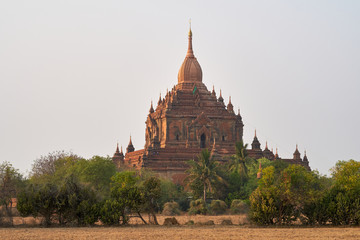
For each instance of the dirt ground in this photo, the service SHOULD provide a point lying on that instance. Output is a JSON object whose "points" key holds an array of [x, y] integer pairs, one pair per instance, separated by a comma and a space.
{"points": [[240, 230], [180, 232]]}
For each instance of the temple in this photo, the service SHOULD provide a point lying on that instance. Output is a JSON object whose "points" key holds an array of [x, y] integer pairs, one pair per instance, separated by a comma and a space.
{"points": [[187, 119]]}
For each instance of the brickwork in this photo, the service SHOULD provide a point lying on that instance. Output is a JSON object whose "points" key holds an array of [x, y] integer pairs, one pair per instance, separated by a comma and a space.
{"points": [[188, 119]]}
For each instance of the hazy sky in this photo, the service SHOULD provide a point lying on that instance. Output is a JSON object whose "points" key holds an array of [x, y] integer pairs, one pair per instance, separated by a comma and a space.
{"points": [[80, 75]]}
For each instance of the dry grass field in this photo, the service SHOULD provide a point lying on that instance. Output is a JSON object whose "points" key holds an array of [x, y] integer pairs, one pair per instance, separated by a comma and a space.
{"points": [[181, 232], [139, 231]]}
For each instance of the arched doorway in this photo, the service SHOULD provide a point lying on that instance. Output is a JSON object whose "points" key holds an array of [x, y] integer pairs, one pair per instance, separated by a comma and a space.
{"points": [[202, 140]]}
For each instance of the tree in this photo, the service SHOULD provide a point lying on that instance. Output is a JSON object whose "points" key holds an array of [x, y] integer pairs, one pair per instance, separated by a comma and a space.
{"points": [[239, 160], [45, 165], [281, 198], [125, 196], [343, 198], [10, 181], [152, 190], [204, 171], [96, 172], [53, 167], [39, 199], [76, 203]]}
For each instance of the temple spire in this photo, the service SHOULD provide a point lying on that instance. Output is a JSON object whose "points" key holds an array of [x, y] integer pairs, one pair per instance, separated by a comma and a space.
{"points": [[255, 145], [130, 147], [151, 108], [305, 159], [117, 148], [276, 155], [213, 91], [297, 153], [220, 99], [190, 52]]}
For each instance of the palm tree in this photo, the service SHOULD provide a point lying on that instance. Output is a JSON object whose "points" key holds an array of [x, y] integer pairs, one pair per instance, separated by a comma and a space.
{"points": [[239, 160], [205, 170]]}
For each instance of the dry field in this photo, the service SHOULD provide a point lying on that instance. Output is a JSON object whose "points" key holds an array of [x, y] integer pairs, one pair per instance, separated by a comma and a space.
{"points": [[181, 232], [139, 231]]}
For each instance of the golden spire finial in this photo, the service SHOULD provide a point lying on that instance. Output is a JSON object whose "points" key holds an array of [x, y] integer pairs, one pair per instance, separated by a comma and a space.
{"points": [[190, 52], [190, 32]]}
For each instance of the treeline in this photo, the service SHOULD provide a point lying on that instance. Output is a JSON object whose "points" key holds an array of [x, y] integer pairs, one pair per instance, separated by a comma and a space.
{"points": [[68, 190], [293, 194], [65, 189]]}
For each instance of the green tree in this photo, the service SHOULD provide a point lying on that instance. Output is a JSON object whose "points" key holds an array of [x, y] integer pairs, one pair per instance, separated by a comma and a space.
{"points": [[96, 172], [281, 198], [204, 171], [238, 162], [343, 201], [39, 200], [171, 192], [125, 196], [76, 203], [10, 183], [151, 193]]}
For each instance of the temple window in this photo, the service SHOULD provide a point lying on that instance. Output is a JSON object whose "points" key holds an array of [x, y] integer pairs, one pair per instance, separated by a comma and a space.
{"points": [[202, 140]]}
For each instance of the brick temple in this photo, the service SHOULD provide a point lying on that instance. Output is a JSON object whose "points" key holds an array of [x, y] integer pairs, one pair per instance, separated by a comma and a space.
{"points": [[186, 120]]}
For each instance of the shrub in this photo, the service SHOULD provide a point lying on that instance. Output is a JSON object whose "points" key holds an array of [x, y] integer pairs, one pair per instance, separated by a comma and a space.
{"points": [[239, 207], [171, 209], [190, 222], [226, 222], [170, 222], [198, 207], [218, 207], [207, 223]]}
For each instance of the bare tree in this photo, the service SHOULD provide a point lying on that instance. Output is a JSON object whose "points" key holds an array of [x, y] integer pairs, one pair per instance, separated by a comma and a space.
{"points": [[46, 165]]}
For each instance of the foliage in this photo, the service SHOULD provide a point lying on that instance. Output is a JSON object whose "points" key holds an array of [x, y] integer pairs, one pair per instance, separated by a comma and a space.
{"points": [[281, 198], [55, 167], [238, 162], [171, 209], [125, 193], [96, 172], [39, 200], [204, 171], [171, 192], [111, 212], [52, 166], [151, 194], [198, 207], [218, 207], [10, 185], [239, 207], [76, 203]]}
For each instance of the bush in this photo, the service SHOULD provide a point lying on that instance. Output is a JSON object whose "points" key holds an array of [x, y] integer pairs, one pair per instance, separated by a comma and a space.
{"points": [[171, 209], [226, 222], [190, 222], [170, 222], [239, 207], [198, 207], [218, 207]]}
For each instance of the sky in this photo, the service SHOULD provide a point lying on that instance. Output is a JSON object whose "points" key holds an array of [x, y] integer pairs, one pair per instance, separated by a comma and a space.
{"points": [[79, 75]]}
